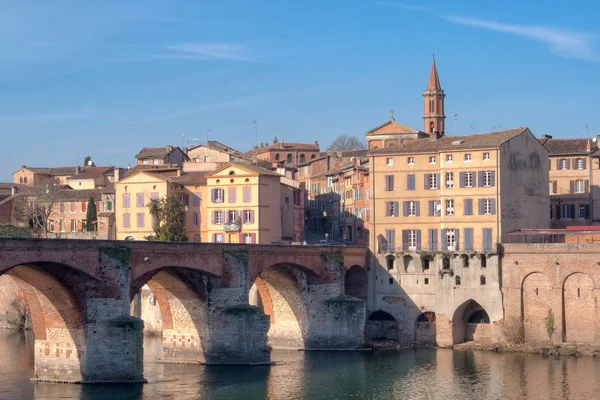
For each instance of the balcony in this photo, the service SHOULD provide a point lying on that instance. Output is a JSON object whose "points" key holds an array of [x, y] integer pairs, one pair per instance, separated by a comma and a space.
{"points": [[433, 247], [235, 226]]}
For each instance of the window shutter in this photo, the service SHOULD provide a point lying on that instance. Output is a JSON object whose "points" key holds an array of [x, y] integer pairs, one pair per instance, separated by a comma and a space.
{"points": [[246, 195], [405, 239], [558, 211], [443, 239], [431, 208], [212, 217], [426, 181], [480, 178], [571, 186], [587, 211], [468, 207], [474, 176], [433, 240], [213, 196], [572, 210], [410, 183], [574, 162], [568, 164], [584, 163], [214, 238], [587, 186], [480, 206], [486, 239], [493, 206], [558, 163], [391, 182], [554, 187], [388, 208], [253, 238], [251, 216], [232, 194], [418, 208], [387, 182], [405, 208], [437, 180], [493, 178], [462, 179], [468, 238], [396, 212], [457, 233], [418, 238]]}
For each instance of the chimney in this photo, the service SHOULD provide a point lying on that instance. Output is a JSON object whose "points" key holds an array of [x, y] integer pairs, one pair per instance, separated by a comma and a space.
{"points": [[588, 146], [76, 169], [434, 135], [169, 148], [117, 172], [317, 142]]}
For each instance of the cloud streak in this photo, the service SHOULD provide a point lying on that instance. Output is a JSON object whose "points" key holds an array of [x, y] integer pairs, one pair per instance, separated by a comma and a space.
{"points": [[561, 42], [205, 51]]}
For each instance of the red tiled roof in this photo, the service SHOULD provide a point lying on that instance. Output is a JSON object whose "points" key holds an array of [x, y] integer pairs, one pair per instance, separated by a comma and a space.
{"points": [[283, 146], [568, 146], [92, 172], [190, 178], [149, 152]]}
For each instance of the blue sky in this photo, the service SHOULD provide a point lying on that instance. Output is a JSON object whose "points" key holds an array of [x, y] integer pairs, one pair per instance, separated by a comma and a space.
{"points": [[105, 78]]}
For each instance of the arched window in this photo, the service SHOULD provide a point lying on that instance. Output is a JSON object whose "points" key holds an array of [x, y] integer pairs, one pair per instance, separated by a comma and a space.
{"points": [[457, 280], [277, 156], [380, 315], [431, 106], [390, 262], [482, 280], [312, 157], [289, 159], [302, 158], [431, 126]]}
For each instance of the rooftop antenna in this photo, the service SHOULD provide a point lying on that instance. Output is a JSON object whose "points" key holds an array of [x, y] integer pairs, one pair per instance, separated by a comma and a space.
{"points": [[455, 118], [470, 128], [206, 132], [587, 130], [182, 140], [255, 122], [493, 127]]}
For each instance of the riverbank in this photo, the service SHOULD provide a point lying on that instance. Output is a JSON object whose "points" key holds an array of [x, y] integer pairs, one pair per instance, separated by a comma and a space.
{"points": [[544, 349]]}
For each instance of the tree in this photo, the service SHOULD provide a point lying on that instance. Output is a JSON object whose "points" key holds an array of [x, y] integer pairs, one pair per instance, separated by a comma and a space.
{"points": [[168, 218], [91, 215], [86, 161], [346, 143], [34, 207]]}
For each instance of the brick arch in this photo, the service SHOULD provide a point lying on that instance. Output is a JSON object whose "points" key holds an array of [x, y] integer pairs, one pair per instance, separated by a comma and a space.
{"points": [[82, 260], [184, 314], [145, 265], [465, 330], [578, 309], [283, 293], [356, 282], [58, 316], [536, 299], [309, 262]]}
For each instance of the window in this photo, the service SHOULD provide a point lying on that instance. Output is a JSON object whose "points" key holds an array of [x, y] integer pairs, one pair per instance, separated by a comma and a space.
{"points": [[389, 162], [487, 206], [232, 214], [433, 184], [427, 281], [482, 280], [218, 195], [411, 160], [51, 226], [431, 159], [389, 182], [277, 156], [457, 280], [486, 156], [289, 159], [140, 200], [145, 162], [247, 238], [155, 161], [154, 196], [83, 225], [487, 178], [108, 205], [196, 218], [448, 158], [367, 194], [468, 157], [287, 200], [579, 186], [73, 225], [468, 179], [196, 200], [412, 239], [72, 206], [450, 239], [565, 211], [62, 207], [412, 208], [564, 164], [218, 238], [410, 182], [580, 164], [140, 220], [62, 225], [449, 207], [247, 194], [391, 209], [218, 217], [302, 158], [449, 180], [248, 216], [390, 262], [126, 197]]}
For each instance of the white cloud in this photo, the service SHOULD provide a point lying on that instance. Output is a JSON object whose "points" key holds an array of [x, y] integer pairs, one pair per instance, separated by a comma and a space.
{"points": [[203, 51], [560, 41]]}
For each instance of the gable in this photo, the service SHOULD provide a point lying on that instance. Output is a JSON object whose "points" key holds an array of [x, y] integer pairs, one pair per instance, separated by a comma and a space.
{"points": [[391, 127], [141, 177], [232, 170]]}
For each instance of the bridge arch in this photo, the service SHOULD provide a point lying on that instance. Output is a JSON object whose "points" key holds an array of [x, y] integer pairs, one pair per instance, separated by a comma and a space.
{"points": [[470, 322]]}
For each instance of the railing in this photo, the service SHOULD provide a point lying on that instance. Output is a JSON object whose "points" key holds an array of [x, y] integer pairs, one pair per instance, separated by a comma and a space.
{"points": [[431, 247], [232, 226]]}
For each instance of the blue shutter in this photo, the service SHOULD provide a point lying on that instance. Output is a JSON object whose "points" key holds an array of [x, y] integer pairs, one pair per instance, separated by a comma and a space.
{"points": [[474, 175], [418, 206], [432, 239], [493, 178], [405, 208], [493, 206], [480, 178], [405, 239], [431, 208], [426, 181], [388, 208], [461, 179], [418, 238], [480, 206], [468, 238], [396, 212], [443, 240], [457, 235], [439, 183]]}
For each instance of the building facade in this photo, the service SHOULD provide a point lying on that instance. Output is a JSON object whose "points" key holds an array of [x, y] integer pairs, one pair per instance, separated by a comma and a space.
{"points": [[166, 155]]}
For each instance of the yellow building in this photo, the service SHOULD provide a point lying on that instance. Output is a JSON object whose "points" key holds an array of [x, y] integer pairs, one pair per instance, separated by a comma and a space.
{"points": [[134, 192], [457, 193], [245, 205]]}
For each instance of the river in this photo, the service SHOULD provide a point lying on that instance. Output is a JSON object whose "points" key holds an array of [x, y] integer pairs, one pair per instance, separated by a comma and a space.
{"points": [[407, 374]]}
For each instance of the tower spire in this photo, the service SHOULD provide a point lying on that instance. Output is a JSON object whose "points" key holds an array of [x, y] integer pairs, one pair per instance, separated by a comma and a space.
{"points": [[433, 115]]}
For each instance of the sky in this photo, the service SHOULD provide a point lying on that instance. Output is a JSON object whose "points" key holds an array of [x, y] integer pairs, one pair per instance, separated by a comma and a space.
{"points": [[106, 78]]}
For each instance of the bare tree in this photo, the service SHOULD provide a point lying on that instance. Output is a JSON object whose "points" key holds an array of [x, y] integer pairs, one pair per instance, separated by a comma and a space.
{"points": [[34, 206], [345, 143]]}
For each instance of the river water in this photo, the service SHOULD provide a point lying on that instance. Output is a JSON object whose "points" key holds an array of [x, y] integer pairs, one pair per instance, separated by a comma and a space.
{"points": [[408, 374]]}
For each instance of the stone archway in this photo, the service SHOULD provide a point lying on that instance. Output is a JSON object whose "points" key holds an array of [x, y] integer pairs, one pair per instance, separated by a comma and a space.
{"points": [[470, 323], [425, 328], [382, 326], [355, 282], [281, 292], [579, 309], [536, 295]]}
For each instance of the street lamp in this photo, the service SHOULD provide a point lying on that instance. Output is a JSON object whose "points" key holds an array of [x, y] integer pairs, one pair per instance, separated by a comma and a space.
{"points": [[325, 216]]}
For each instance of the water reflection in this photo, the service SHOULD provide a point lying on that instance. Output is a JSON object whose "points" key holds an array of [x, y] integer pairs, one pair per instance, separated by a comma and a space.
{"points": [[421, 374]]}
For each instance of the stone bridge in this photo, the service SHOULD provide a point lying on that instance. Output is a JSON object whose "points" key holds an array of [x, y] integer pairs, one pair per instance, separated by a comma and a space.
{"points": [[220, 303]]}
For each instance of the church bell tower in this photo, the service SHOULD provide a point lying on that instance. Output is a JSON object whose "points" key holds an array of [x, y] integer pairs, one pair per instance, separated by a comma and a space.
{"points": [[433, 116]]}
